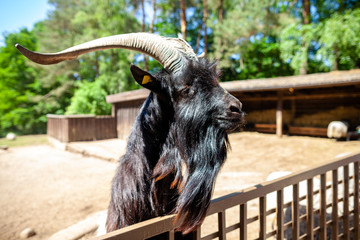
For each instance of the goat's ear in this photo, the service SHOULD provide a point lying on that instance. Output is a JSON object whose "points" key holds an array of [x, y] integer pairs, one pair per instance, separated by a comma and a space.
{"points": [[145, 79]]}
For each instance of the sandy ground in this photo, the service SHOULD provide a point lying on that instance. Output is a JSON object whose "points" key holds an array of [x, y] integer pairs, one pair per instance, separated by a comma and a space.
{"points": [[49, 189]]}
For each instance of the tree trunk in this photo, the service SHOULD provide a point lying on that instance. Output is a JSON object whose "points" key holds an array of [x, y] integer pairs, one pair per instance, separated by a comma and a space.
{"points": [[336, 60], [221, 11], [205, 26], [151, 28], [306, 20], [183, 19], [306, 12], [198, 40], [97, 67], [146, 65], [221, 16]]}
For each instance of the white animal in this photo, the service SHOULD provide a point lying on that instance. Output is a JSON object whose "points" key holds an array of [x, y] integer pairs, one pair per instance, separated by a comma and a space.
{"points": [[337, 129]]}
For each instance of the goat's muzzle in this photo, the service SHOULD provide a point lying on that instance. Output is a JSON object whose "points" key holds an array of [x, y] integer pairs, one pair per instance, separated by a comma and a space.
{"points": [[233, 117]]}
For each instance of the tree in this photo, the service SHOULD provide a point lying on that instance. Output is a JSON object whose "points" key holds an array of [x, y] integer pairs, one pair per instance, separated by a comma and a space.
{"points": [[95, 19], [339, 37], [183, 18], [296, 43], [18, 87], [89, 99], [242, 28], [306, 21], [205, 26], [324, 43]]}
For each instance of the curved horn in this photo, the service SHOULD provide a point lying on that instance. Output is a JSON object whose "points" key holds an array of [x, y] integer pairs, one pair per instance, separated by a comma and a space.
{"points": [[172, 53]]}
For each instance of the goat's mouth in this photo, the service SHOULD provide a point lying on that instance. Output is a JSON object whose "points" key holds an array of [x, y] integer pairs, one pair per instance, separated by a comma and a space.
{"points": [[231, 121]]}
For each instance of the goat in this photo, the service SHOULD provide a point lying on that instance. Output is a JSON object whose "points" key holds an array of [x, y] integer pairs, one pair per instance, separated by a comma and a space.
{"points": [[178, 142]]}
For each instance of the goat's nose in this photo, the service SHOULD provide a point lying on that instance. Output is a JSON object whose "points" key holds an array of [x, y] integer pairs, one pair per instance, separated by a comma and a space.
{"points": [[235, 105]]}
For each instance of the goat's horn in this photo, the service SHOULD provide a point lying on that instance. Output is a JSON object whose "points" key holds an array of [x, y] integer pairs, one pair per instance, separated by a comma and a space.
{"points": [[169, 52]]}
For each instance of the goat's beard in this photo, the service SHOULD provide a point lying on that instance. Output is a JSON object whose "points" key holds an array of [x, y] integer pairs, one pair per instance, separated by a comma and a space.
{"points": [[194, 164]]}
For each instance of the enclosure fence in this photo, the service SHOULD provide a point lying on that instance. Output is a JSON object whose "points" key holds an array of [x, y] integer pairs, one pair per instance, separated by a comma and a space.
{"points": [[327, 208], [70, 128]]}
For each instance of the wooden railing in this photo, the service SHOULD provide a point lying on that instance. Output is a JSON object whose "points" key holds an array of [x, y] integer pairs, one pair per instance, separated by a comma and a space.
{"points": [[321, 218], [70, 128]]}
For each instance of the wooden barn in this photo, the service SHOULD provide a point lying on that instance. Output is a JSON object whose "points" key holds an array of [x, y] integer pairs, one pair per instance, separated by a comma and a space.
{"points": [[295, 105]]}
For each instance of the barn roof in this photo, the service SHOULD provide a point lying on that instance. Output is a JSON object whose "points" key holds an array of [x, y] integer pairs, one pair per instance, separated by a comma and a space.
{"points": [[317, 80]]}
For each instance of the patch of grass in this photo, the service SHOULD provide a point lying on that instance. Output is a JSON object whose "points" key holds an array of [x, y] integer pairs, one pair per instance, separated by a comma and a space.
{"points": [[25, 140]]}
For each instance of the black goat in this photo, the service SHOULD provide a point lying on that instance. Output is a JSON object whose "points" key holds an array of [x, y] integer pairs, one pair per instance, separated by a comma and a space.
{"points": [[179, 139]]}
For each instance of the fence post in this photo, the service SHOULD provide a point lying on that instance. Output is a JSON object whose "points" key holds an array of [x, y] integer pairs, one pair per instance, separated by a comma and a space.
{"points": [[310, 210], [295, 212], [221, 223], [346, 203], [280, 215], [323, 206], [262, 217], [335, 202], [243, 221], [356, 200]]}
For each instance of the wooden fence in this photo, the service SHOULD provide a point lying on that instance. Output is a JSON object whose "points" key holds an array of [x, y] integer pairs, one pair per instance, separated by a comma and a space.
{"points": [[328, 210], [70, 128]]}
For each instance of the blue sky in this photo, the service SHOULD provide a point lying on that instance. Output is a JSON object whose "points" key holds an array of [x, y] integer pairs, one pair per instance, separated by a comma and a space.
{"points": [[15, 14]]}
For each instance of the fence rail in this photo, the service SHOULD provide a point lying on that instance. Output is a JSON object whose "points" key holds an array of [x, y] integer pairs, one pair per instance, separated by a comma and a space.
{"points": [[329, 208], [70, 128]]}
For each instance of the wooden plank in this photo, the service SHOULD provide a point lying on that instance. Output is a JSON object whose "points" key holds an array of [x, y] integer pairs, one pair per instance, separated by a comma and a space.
{"points": [[279, 115], [280, 215], [66, 130], [262, 218], [309, 210], [295, 212], [356, 201], [243, 221], [323, 207], [335, 202], [170, 235], [263, 127], [197, 234], [221, 225], [142, 230], [312, 131], [301, 97], [129, 96], [346, 219]]}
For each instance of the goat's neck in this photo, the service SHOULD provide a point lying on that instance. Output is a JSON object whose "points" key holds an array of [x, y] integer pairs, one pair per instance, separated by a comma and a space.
{"points": [[151, 129]]}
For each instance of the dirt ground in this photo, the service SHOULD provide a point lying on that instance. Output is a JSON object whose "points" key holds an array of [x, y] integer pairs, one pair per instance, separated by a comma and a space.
{"points": [[49, 189]]}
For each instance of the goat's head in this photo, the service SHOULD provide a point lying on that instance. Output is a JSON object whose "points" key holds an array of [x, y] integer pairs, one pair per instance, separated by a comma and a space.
{"points": [[202, 112]]}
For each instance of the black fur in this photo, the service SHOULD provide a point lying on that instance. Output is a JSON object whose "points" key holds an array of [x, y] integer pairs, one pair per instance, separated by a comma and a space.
{"points": [[176, 148]]}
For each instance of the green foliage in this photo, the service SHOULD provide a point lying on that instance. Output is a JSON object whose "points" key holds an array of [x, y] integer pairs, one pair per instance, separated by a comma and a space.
{"points": [[339, 37], [246, 42], [296, 39], [335, 41], [262, 60], [17, 110], [89, 99]]}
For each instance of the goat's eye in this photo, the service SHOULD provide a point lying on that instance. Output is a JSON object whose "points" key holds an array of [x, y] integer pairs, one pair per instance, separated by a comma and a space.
{"points": [[187, 91]]}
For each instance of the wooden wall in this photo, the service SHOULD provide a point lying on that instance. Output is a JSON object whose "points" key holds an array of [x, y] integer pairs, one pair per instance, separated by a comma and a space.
{"points": [[125, 116], [305, 108], [80, 127]]}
